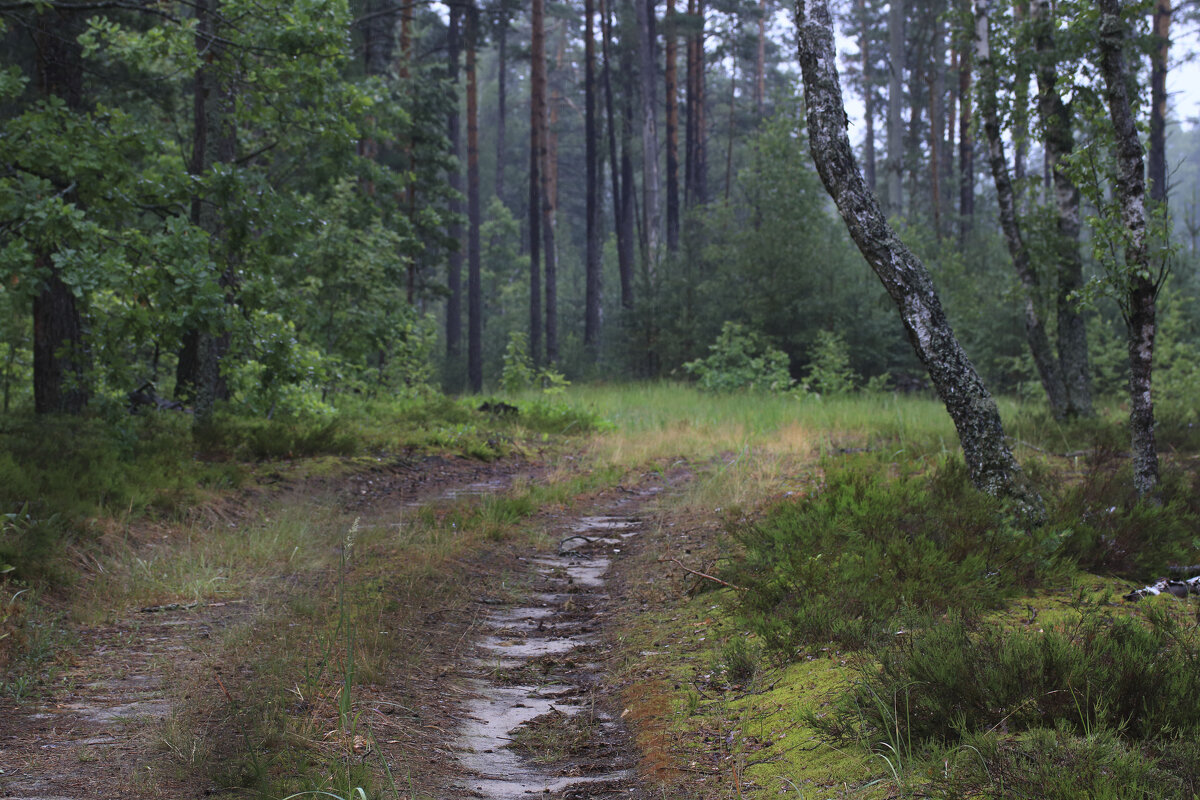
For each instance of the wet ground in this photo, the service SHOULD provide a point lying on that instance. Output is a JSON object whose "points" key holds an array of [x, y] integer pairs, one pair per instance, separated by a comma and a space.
{"points": [[522, 709], [540, 720]]}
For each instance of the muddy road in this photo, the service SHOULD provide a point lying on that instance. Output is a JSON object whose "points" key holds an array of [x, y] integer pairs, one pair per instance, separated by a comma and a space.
{"points": [[523, 703]]}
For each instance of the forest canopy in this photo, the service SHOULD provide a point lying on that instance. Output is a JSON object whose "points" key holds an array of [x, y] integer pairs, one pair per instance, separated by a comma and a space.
{"points": [[263, 207]]}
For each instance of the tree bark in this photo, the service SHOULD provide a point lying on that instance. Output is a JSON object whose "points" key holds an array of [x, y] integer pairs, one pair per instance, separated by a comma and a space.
{"points": [[623, 232], [1035, 330], [592, 266], [1058, 145], [895, 122], [1157, 164], [537, 116], [760, 60], [501, 100], [454, 259], [474, 267], [976, 417], [1138, 304], [868, 79], [966, 146], [60, 358], [672, 89], [549, 144], [628, 210], [649, 78]]}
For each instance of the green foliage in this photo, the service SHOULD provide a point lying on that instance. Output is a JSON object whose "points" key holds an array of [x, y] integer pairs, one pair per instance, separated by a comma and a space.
{"points": [[1123, 674], [519, 374], [1058, 764], [829, 371], [741, 359], [847, 562]]}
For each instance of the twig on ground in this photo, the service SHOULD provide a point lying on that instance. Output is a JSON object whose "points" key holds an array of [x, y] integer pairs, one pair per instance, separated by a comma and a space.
{"points": [[703, 575]]}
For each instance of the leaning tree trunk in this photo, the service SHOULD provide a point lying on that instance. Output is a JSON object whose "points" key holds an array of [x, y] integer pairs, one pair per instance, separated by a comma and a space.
{"points": [[1058, 145], [976, 416], [1035, 330], [1138, 304], [59, 351]]}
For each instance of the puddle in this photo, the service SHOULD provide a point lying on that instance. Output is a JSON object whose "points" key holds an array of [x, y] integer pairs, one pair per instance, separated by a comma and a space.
{"points": [[534, 645]]}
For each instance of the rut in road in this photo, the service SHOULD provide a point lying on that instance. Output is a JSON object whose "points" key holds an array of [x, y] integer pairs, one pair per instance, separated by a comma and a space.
{"points": [[539, 721]]}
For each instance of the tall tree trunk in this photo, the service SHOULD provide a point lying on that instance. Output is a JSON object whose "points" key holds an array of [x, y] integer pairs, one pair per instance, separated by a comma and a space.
{"points": [[501, 100], [895, 107], [951, 128], [617, 168], [454, 260], [628, 206], [868, 80], [1138, 305], [976, 417], [760, 60], [966, 146], [474, 273], [1035, 330], [672, 42], [214, 142], [695, 162], [60, 358], [549, 144], [1157, 164], [644, 10], [1058, 145], [592, 266], [1020, 111], [407, 15], [733, 76], [537, 116]]}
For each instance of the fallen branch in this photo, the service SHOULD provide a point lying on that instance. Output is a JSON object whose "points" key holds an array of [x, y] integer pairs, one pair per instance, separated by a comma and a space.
{"points": [[576, 536], [703, 575]]}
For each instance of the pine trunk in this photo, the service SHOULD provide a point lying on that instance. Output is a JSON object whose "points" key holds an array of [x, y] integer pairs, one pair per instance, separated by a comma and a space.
{"points": [[895, 107], [672, 89], [549, 144], [501, 102], [616, 167], [1157, 156], [537, 116], [868, 78], [644, 10], [625, 238], [474, 267], [592, 266], [966, 146], [976, 417], [454, 260]]}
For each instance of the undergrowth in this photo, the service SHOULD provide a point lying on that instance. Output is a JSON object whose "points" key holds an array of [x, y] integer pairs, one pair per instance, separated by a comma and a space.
{"points": [[843, 563]]}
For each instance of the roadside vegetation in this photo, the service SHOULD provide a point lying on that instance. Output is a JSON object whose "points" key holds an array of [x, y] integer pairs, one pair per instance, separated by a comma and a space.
{"points": [[829, 608]]}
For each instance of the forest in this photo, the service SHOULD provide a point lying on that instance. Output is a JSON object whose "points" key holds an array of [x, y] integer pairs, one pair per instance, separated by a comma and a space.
{"points": [[821, 374]]}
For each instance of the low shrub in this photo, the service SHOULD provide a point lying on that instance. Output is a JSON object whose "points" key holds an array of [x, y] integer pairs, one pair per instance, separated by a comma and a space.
{"points": [[955, 679], [841, 564], [1108, 529]]}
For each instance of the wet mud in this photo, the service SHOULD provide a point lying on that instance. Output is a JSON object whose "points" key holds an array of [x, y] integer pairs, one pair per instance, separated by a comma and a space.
{"points": [[539, 721]]}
